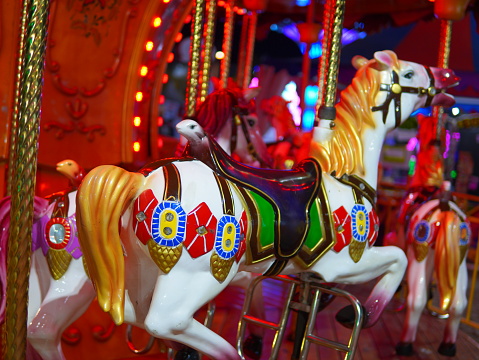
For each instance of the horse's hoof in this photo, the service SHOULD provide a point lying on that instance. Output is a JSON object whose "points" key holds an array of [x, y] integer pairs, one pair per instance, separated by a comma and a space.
{"points": [[347, 316], [253, 346], [187, 353], [447, 349], [404, 349]]}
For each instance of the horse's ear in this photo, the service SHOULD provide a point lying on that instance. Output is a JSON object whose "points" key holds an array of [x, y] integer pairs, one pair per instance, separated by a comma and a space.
{"points": [[251, 93], [386, 59], [358, 61]]}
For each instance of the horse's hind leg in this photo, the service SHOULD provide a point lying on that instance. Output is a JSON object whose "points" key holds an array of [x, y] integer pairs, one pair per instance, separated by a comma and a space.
{"points": [[387, 262], [458, 305], [176, 298], [418, 276]]}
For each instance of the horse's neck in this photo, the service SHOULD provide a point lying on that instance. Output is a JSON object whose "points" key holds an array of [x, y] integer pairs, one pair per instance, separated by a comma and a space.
{"points": [[224, 138], [373, 140]]}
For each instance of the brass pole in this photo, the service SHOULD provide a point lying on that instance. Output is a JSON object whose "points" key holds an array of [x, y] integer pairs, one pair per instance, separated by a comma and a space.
{"points": [[16, 105], [333, 45], [23, 184], [227, 43], [194, 63], [209, 34], [253, 20], [443, 62], [240, 74]]}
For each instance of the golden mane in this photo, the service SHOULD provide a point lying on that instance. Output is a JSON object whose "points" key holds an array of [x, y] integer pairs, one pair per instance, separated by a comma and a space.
{"points": [[344, 152]]}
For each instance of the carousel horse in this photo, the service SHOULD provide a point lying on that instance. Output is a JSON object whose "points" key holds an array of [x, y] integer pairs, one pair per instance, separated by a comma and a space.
{"points": [[162, 242], [59, 289], [290, 145], [437, 237], [229, 116]]}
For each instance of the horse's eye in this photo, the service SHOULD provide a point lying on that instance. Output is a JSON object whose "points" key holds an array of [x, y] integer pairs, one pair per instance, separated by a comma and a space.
{"points": [[409, 75], [251, 122]]}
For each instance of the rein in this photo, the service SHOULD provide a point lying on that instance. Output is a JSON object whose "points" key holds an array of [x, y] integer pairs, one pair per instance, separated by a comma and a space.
{"points": [[395, 90]]}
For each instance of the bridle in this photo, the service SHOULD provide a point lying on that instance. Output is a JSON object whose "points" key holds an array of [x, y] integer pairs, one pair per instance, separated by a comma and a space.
{"points": [[239, 120], [395, 90]]}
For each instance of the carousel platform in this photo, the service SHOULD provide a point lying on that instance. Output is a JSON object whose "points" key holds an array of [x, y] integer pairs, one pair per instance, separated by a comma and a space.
{"points": [[376, 343]]}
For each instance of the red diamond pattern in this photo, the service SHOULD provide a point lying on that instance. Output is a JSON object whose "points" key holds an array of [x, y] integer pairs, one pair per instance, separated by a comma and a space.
{"points": [[195, 242], [373, 227], [343, 236], [145, 203]]}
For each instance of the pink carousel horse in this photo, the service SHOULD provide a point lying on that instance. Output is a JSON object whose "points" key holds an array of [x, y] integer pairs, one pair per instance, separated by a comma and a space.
{"points": [[437, 238], [59, 289], [291, 145], [162, 242]]}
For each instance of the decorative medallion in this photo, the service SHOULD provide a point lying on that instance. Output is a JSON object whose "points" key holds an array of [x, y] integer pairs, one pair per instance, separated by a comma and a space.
{"points": [[465, 236], [359, 222], [227, 237], [165, 257], [421, 233], [200, 231], [143, 210], [342, 224], [168, 224], [58, 232], [220, 268]]}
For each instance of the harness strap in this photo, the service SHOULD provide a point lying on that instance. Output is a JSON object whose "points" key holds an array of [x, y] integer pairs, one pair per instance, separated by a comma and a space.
{"points": [[360, 188], [395, 90]]}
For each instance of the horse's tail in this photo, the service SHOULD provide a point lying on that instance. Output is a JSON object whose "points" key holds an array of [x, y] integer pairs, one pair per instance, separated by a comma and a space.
{"points": [[39, 208], [103, 196], [447, 257]]}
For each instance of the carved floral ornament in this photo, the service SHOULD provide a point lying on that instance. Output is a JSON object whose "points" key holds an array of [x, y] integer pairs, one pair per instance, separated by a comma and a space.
{"points": [[93, 20]]}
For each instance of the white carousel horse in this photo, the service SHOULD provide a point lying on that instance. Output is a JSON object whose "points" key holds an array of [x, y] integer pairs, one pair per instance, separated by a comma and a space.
{"points": [[436, 242], [187, 228], [59, 289]]}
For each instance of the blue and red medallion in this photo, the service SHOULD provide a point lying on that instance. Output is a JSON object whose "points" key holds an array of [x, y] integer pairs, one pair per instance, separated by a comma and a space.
{"points": [[227, 237], [168, 224], [58, 232]]}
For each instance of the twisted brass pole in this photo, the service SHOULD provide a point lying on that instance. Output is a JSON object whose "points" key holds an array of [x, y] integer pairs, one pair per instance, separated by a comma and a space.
{"points": [[194, 64], [333, 45], [209, 34], [16, 105], [23, 183], [443, 62], [253, 20], [227, 43], [240, 74]]}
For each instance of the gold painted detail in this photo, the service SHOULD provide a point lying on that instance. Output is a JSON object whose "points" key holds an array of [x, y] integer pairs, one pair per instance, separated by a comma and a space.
{"points": [[220, 268], [58, 262], [356, 249], [165, 257], [85, 267], [420, 250], [462, 252]]}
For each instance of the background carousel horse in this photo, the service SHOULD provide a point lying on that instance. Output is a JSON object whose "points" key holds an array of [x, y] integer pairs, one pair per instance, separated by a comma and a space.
{"points": [[59, 289], [437, 239], [187, 229], [291, 145], [229, 116]]}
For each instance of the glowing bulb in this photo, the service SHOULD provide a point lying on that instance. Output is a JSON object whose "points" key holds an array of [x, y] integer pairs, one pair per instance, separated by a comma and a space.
{"points": [[165, 78], [220, 55], [455, 111], [149, 45], [178, 37], [160, 121], [136, 146], [143, 70], [171, 57], [160, 143], [166, 1], [137, 121], [139, 96], [157, 22]]}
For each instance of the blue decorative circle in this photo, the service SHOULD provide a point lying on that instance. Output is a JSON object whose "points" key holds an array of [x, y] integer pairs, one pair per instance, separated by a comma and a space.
{"points": [[359, 222], [227, 237], [465, 233], [422, 231], [168, 224]]}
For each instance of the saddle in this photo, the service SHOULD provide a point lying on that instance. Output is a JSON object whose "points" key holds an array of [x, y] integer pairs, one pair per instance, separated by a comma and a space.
{"points": [[290, 192]]}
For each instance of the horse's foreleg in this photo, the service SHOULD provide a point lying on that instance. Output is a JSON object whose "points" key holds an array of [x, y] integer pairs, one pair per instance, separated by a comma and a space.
{"points": [[176, 298], [67, 299], [458, 305]]}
